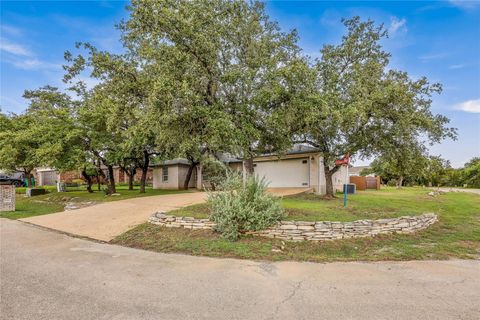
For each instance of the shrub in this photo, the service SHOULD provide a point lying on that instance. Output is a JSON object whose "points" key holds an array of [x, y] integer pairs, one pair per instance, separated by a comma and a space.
{"points": [[239, 207], [214, 173]]}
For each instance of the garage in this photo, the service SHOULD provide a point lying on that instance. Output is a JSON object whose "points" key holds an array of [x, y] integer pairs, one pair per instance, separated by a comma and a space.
{"points": [[291, 173], [47, 177]]}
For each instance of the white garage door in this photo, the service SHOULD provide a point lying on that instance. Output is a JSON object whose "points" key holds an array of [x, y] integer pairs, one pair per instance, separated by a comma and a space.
{"points": [[284, 173]]}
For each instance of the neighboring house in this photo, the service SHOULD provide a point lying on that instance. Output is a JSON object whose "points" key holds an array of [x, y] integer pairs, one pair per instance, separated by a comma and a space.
{"points": [[357, 171], [46, 176], [171, 174], [300, 167]]}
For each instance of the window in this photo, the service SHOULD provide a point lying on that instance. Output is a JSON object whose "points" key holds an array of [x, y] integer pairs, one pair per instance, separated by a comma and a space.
{"points": [[304, 161], [164, 173]]}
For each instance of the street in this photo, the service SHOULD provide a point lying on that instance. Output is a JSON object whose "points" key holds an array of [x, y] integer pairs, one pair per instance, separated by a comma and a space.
{"points": [[49, 275]]}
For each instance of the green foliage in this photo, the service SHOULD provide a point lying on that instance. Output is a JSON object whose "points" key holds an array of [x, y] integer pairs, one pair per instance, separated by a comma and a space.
{"points": [[360, 105], [215, 172], [238, 207], [471, 173]]}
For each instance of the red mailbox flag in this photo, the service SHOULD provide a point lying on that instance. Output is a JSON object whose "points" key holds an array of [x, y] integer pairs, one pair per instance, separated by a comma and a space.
{"points": [[344, 161]]}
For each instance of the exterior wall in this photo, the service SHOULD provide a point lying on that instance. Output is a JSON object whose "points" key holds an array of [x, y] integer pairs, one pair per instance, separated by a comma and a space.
{"points": [[339, 179], [172, 182], [237, 166], [182, 175], [69, 176], [138, 176]]}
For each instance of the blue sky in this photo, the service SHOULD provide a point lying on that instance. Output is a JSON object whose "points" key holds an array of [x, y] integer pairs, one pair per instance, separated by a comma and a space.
{"points": [[440, 40]]}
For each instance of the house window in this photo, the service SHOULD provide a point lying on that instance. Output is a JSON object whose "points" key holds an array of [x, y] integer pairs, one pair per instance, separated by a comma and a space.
{"points": [[304, 161], [164, 173]]}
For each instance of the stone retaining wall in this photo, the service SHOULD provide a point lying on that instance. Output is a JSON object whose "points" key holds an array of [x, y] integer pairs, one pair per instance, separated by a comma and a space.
{"points": [[315, 230]]}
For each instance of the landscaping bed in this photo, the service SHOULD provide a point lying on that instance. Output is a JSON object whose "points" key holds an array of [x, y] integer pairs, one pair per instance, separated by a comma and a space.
{"points": [[457, 234]]}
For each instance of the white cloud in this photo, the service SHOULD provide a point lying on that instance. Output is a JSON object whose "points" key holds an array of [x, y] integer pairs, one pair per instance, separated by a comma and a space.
{"points": [[35, 64], [434, 56], [13, 31], [456, 66], [397, 26], [472, 106], [13, 48], [465, 4]]}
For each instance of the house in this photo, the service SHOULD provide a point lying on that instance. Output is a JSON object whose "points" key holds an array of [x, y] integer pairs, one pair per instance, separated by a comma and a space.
{"points": [[300, 167], [357, 171], [171, 174]]}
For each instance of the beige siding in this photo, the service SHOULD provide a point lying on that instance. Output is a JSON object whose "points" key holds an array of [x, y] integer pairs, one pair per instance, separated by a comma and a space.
{"points": [[172, 182], [182, 174]]}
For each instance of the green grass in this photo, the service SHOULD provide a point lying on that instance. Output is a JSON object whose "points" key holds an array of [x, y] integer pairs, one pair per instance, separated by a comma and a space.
{"points": [[386, 203], [55, 201], [456, 235]]}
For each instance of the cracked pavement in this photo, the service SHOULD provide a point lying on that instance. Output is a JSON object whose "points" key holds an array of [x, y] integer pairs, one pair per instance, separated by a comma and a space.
{"points": [[48, 275]]}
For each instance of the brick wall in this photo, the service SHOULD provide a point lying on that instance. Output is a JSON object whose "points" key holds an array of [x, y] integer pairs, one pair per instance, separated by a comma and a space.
{"points": [[7, 198]]}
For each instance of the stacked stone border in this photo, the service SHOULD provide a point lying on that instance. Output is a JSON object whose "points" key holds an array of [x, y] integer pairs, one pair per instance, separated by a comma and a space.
{"points": [[315, 230]]}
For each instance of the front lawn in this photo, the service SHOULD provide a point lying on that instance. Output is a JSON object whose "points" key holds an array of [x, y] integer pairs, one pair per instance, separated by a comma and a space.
{"points": [[456, 235], [386, 203], [56, 201]]}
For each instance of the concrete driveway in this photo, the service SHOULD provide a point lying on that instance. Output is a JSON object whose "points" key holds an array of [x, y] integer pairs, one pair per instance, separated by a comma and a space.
{"points": [[448, 189], [48, 275], [107, 220]]}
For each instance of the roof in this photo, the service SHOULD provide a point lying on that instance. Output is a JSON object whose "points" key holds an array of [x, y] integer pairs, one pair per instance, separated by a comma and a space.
{"points": [[357, 170], [228, 158], [172, 162], [296, 149]]}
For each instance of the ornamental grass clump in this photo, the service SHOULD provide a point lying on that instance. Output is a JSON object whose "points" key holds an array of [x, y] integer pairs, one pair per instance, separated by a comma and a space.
{"points": [[239, 206]]}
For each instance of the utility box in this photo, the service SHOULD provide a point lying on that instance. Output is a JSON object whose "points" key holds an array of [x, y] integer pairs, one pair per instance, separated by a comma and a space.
{"points": [[61, 187], [7, 198], [35, 192], [351, 188]]}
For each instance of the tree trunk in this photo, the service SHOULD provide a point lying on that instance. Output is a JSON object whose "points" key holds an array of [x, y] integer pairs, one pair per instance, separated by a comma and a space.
{"points": [[88, 179], [189, 175], [146, 163], [328, 182], [249, 166], [111, 181], [130, 175], [399, 182]]}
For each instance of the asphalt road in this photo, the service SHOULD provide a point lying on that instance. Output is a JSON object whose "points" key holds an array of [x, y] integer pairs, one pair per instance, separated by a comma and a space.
{"points": [[47, 275]]}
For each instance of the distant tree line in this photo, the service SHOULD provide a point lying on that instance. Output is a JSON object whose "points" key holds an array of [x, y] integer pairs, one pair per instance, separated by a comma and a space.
{"points": [[429, 171], [200, 78]]}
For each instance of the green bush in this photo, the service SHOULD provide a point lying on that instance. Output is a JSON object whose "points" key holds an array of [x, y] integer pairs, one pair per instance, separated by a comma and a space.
{"points": [[23, 190], [239, 207], [214, 173]]}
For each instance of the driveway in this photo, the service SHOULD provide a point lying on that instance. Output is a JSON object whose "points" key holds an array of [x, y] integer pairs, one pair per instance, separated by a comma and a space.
{"points": [[48, 275], [448, 189], [107, 220]]}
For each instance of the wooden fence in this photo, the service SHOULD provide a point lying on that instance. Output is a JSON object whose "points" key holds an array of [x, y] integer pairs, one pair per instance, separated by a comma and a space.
{"points": [[364, 183]]}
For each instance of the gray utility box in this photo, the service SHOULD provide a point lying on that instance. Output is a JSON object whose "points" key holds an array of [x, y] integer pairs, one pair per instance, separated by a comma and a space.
{"points": [[35, 192], [351, 188]]}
